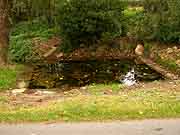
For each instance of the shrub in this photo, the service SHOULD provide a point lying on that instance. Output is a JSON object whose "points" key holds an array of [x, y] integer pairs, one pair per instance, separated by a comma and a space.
{"points": [[24, 10], [134, 3], [87, 21], [21, 39], [160, 21], [133, 18]]}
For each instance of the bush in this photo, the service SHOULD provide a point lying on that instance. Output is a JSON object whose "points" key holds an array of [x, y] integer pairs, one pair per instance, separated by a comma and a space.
{"points": [[87, 21], [134, 3], [160, 21], [133, 16], [21, 39], [24, 10]]}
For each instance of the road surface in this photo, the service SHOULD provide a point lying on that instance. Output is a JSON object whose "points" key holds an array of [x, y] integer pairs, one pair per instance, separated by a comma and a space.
{"points": [[146, 127]]}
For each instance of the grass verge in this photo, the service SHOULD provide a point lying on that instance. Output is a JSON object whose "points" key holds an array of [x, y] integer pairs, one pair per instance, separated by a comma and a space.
{"points": [[99, 89], [126, 105], [8, 76]]}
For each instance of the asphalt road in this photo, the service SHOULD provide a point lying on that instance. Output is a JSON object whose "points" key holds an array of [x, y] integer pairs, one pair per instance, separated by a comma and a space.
{"points": [[146, 127]]}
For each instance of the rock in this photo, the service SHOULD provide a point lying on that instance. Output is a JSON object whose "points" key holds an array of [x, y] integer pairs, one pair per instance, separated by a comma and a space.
{"points": [[18, 91], [175, 48], [42, 92], [59, 55], [48, 92], [83, 88], [108, 92], [169, 51], [139, 50], [37, 93], [178, 62], [22, 84]]}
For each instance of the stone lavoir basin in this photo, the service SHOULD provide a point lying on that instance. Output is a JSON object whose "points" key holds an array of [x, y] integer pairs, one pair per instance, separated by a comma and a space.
{"points": [[81, 73]]}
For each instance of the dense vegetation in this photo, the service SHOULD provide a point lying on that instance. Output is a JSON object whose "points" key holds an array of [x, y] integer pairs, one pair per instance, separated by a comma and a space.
{"points": [[159, 21], [86, 22], [22, 36]]}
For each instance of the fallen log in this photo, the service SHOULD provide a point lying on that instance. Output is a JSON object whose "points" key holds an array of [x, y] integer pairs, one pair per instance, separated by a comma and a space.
{"points": [[50, 52]]}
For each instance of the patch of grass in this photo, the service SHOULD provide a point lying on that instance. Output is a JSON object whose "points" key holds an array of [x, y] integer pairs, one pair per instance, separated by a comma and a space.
{"points": [[98, 89], [3, 99], [8, 76], [130, 105]]}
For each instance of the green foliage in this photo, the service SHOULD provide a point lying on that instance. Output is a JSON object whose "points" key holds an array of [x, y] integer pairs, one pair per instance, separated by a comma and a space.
{"points": [[21, 39], [8, 77], [26, 10], [160, 21], [133, 19], [154, 6], [134, 3], [87, 21], [132, 11], [23, 10]]}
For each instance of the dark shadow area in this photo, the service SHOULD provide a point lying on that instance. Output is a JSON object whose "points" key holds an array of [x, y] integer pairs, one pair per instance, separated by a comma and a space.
{"points": [[77, 74]]}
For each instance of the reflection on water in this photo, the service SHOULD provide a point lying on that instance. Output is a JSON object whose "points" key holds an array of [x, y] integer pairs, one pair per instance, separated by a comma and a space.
{"points": [[129, 79]]}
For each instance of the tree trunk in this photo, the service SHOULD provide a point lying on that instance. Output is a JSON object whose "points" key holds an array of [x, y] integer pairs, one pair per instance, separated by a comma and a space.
{"points": [[4, 32]]}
